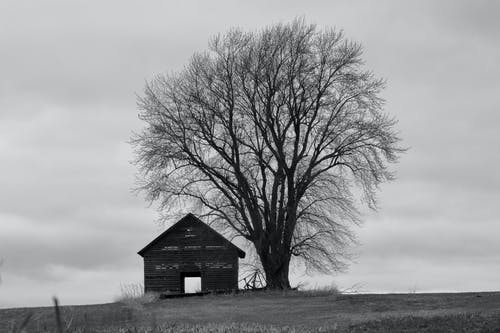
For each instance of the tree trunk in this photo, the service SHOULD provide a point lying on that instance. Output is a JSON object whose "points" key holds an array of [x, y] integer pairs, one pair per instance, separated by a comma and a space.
{"points": [[276, 274]]}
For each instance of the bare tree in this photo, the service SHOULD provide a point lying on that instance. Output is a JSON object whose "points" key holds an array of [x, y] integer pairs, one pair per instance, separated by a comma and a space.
{"points": [[275, 135]]}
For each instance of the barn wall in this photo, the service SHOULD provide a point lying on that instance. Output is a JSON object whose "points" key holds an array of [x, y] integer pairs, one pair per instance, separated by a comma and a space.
{"points": [[190, 247]]}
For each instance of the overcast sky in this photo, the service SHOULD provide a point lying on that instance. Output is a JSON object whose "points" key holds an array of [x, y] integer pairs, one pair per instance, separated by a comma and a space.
{"points": [[69, 75]]}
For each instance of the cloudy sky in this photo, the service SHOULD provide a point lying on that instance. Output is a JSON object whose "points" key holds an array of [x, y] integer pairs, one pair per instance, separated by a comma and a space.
{"points": [[69, 75]]}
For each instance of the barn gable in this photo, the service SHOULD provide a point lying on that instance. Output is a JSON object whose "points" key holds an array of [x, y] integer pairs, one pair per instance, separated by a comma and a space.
{"points": [[185, 226], [190, 248]]}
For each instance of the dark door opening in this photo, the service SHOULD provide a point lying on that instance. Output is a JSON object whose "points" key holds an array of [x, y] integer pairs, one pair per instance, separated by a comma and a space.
{"points": [[190, 282]]}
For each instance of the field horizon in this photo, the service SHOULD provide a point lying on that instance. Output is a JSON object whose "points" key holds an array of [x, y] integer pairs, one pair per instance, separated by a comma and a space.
{"points": [[293, 311], [381, 293]]}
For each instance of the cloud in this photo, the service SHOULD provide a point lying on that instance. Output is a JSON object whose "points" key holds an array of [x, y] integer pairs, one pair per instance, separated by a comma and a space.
{"points": [[68, 221], [86, 241], [80, 286]]}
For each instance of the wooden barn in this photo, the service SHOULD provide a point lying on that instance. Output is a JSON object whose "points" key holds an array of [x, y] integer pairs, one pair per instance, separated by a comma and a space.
{"points": [[190, 249]]}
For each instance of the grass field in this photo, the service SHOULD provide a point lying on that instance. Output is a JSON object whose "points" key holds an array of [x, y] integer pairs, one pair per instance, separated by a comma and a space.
{"points": [[274, 312]]}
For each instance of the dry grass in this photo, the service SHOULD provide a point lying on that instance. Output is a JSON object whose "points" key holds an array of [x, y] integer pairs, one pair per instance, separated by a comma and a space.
{"points": [[462, 322], [316, 291], [133, 295]]}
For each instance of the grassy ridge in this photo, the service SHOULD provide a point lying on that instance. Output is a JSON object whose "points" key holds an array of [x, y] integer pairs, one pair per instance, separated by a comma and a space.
{"points": [[276, 312]]}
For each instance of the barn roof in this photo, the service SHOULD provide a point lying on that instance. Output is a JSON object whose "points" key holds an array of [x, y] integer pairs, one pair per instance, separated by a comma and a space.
{"points": [[241, 253]]}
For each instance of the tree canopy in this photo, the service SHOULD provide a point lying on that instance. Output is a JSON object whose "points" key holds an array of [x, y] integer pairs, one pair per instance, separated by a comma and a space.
{"points": [[275, 135]]}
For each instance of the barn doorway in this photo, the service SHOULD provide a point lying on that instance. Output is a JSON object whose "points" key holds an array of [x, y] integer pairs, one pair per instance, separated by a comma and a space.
{"points": [[191, 282]]}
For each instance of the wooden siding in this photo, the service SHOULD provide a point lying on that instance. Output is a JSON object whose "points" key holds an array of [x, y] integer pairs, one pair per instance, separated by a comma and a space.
{"points": [[190, 247]]}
